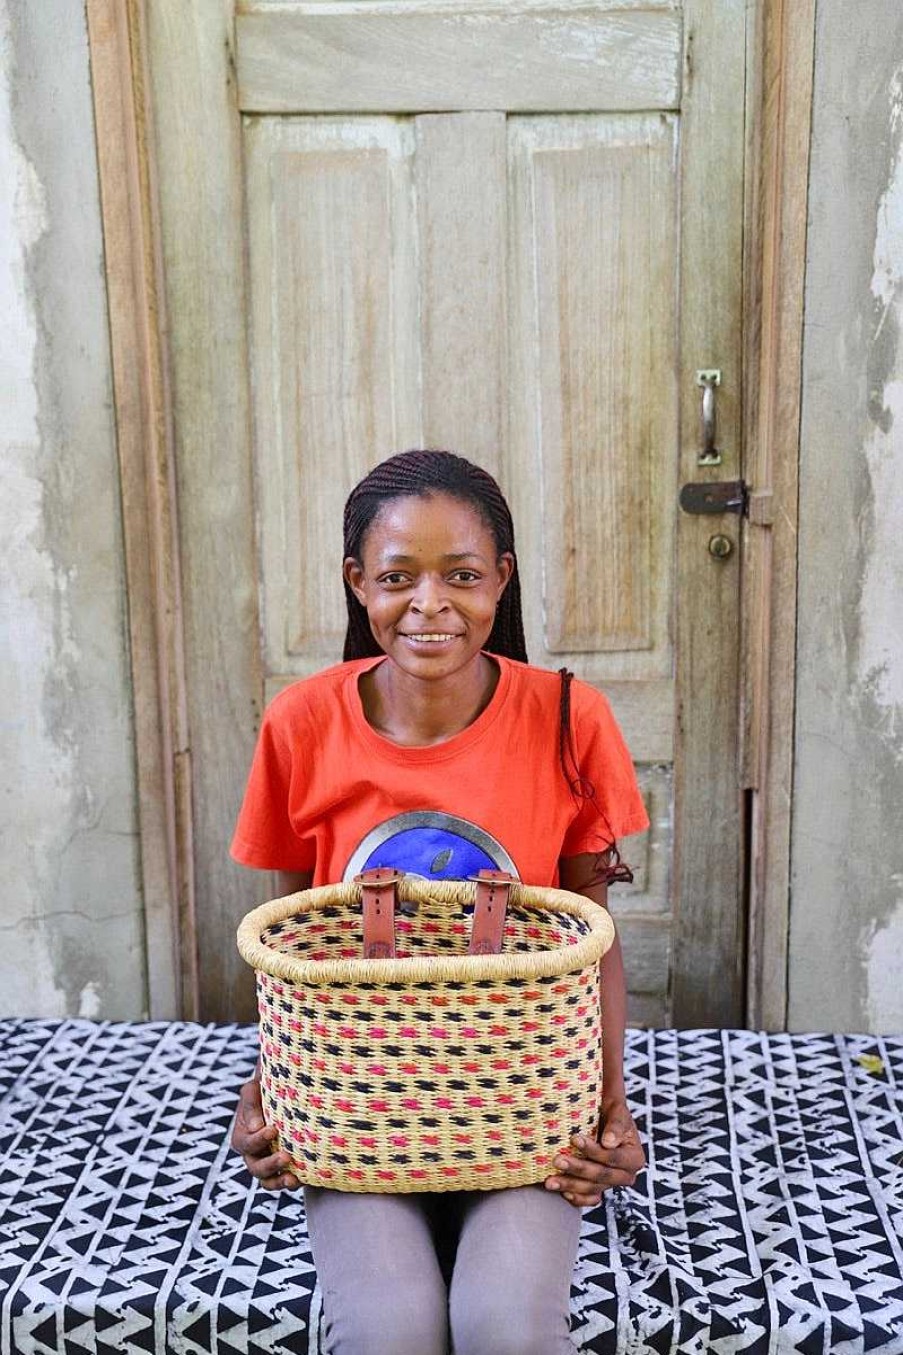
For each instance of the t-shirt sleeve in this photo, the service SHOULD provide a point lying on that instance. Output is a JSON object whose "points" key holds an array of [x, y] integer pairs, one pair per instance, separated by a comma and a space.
{"points": [[264, 836], [611, 806]]}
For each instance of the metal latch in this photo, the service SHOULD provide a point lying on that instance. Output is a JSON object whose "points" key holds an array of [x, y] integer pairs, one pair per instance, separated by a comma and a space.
{"points": [[716, 496]]}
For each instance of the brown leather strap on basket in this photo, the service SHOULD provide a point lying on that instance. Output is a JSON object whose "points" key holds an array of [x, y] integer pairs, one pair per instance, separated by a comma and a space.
{"points": [[378, 906], [493, 887]]}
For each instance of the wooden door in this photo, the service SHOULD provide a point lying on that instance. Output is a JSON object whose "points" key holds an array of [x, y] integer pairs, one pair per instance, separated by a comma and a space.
{"points": [[509, 229]]}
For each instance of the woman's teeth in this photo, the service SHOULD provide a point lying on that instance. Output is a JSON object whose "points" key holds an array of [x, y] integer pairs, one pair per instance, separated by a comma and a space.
{"points": [[429, 639]]}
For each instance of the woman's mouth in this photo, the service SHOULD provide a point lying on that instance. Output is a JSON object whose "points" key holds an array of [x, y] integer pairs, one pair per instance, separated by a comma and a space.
{"points": [[436, 637]]}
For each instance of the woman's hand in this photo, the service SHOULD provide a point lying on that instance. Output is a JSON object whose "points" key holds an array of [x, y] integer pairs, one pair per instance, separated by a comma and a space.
{"points": [[590, 1168], [253, 1138]]}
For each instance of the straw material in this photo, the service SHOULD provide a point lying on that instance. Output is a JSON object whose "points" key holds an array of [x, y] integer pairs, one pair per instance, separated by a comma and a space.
{"points": [[435, 1070]]}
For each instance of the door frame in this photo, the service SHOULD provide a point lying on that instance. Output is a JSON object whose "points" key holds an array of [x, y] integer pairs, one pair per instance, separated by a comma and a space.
{"points": [[782, 49], [154, 416], [144, 433]]}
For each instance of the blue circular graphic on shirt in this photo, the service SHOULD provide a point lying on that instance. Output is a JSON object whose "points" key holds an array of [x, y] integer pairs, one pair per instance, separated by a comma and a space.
{"points": [[432, 845]]}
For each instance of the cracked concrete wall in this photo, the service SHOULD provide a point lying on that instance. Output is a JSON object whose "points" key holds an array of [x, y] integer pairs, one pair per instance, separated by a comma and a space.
{"points": [[71, 929], [846, 921]]}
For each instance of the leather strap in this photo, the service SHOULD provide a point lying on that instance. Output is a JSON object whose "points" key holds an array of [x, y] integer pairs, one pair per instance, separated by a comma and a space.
{"points": [[487, 934], [378, 905]]}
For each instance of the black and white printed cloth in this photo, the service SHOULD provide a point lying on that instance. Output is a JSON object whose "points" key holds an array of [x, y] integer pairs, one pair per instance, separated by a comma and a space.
{"points": [[770, 1218]]}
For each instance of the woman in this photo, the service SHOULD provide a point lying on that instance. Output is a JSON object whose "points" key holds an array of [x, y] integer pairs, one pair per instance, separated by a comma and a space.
{"points": [[436, 748]]}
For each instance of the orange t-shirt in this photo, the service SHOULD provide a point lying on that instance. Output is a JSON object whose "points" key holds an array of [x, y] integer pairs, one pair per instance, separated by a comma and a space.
{"points": [[327, 793]]}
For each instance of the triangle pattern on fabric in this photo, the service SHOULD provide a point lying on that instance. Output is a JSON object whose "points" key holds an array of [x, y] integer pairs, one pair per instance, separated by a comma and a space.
{"points": [[769, 1219]]}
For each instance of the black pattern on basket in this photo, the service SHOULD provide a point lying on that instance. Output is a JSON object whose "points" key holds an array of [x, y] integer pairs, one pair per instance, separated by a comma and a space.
{"points": [[435, 1070]]}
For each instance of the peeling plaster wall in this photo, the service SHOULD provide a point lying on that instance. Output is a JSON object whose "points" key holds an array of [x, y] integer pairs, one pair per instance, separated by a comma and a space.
{"points": [[846, 922], [71, 929]]}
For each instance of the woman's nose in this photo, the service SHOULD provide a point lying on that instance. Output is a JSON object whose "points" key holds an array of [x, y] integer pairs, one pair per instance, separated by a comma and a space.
{"points": [[429, 595]]}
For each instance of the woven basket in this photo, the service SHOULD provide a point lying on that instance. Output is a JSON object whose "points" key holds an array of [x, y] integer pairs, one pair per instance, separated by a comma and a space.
{"points": [[434, 1070]]}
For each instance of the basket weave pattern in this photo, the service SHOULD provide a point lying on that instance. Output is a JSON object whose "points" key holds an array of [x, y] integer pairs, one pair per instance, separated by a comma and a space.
{"points": [[435, 1070]]}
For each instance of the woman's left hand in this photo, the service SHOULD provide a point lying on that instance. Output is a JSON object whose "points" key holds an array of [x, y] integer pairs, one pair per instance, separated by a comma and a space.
{"points": [[589, 1168]]}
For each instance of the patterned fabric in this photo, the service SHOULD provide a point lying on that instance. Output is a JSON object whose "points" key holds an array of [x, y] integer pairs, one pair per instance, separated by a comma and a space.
{"points": [[769, 1221]]}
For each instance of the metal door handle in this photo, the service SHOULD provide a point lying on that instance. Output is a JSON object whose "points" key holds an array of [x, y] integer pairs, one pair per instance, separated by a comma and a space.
{"points": [[708, 379]]}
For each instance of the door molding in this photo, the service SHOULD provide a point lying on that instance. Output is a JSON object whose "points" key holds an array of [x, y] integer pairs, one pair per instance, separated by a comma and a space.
{"points": [[132, 264], [140, 109], [708, 961], [782, 43]]}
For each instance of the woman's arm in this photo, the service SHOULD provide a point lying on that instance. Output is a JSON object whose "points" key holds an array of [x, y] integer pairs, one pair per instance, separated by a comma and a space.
{"points": [[579, 875], [619, 1156], [293, 881], [251, 1136]]}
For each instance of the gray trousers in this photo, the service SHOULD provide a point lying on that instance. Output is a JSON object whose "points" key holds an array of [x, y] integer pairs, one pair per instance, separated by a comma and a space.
{"points": [[488, 1271]]}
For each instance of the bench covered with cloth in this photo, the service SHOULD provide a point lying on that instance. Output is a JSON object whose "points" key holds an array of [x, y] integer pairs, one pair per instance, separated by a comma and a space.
{"points": [[770, 1219]]}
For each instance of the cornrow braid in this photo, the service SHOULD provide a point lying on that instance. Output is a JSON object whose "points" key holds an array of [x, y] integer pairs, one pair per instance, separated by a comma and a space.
{"points": [[419, 474]]}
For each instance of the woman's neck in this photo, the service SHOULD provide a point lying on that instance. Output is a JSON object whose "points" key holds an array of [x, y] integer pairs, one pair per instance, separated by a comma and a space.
{"points": [[413, 712]]}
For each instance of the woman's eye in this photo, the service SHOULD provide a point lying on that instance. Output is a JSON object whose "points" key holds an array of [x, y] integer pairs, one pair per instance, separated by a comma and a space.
{"points": [[394, 579], [465, 576]]}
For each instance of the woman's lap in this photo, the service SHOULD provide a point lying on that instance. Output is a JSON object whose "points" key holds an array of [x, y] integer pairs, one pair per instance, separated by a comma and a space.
{"points": [[384, 1292]]}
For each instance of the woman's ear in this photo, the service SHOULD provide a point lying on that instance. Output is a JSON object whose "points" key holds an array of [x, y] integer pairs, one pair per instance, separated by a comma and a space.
{"points": [[353, 574], [505, 567]]}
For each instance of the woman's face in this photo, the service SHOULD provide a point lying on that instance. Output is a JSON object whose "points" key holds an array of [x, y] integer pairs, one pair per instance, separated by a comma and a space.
{"points": [[430, 580]]}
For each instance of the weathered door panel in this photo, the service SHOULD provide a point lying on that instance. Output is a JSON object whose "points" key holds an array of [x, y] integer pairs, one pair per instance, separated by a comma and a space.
{"points": [[502, 260]]}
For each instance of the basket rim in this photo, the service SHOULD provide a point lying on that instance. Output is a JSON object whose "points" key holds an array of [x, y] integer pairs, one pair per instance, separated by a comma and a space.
{"points": [[558, 960]]}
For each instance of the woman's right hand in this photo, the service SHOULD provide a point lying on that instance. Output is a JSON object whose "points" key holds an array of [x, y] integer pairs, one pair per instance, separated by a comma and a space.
{"points": [[254, 1138]]}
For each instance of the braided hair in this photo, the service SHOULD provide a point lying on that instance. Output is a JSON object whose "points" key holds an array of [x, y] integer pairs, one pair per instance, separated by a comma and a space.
{"points": [[421, 473]]}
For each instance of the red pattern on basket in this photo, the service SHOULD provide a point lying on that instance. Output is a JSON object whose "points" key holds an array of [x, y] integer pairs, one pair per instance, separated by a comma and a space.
{"points": [[417, 1070]]}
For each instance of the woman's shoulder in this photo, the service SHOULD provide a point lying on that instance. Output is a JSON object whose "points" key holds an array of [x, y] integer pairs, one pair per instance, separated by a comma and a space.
{"points": [[528, 676], [546, 684]]}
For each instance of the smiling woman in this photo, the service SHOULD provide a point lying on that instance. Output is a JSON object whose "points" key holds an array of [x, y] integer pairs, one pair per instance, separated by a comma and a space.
{"points": [[430, 579], [419, 475], [432, 746]]}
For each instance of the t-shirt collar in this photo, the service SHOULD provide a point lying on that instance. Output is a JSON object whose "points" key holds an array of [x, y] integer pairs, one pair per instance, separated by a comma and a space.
{"points": [[434, 752]]}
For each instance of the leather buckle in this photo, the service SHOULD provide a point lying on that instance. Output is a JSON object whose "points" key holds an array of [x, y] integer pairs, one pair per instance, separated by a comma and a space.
{"points": [[488, 931], [378, 890]]}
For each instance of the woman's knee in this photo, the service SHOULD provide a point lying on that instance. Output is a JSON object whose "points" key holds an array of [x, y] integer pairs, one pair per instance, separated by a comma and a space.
{"points": [[412, 1322], [503, 1329], [510, 1292]]}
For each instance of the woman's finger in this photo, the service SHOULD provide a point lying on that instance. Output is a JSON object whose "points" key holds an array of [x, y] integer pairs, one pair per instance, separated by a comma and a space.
{"points": [[599, 1178], [583, 1201], [618, 1125], [584, 1146], [576, 1168], [276, 1164], [279, 1182], [250, 1102], [250, 1118], [629, 1157], [603, 1169], [257, 1144]]}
